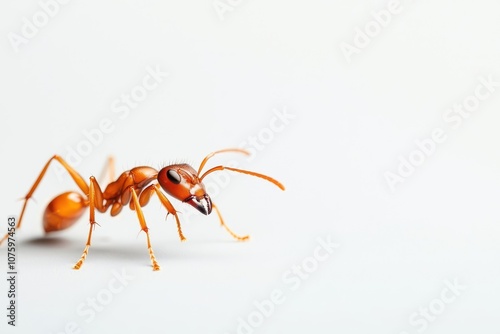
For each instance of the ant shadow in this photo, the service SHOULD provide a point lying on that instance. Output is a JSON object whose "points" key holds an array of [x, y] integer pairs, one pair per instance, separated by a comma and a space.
{"points": [[62, 246], [48, 242], [67, 249]]}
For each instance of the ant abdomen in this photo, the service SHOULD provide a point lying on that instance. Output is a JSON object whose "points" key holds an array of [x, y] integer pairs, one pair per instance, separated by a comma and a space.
{"points": [[63, 211]]}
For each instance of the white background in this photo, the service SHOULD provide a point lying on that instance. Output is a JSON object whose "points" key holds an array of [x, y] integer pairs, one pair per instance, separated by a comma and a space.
{"points": [[228, 75]]}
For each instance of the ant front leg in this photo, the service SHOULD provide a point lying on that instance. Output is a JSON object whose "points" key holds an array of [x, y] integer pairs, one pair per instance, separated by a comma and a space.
{"points": [[155, 188], [170, 208], [234, 235]]}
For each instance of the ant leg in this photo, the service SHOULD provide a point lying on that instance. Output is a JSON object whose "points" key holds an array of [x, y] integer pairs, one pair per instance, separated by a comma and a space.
{"points": [[170, 208], [95, 200], [234, 235], [80, 182], [109, 168], [144, 227]]}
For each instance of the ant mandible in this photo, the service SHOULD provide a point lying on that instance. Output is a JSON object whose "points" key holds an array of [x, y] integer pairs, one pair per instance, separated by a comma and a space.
{"points": [[134, 187]]}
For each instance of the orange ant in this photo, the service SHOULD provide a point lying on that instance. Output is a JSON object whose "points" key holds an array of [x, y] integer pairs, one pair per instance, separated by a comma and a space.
{"points": [[134, 187]]}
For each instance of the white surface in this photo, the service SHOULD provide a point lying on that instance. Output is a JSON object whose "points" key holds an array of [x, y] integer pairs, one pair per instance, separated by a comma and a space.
{"points": [[352, 122]]}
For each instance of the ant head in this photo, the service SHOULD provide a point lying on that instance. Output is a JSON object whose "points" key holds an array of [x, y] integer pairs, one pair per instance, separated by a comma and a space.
{"points": [[182, 182]]}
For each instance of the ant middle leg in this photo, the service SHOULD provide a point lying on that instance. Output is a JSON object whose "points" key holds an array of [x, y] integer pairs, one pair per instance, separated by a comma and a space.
{"points": [[95, 202], [144, 227]]}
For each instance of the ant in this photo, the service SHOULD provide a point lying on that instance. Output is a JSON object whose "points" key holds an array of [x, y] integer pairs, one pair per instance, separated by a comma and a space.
{"points": [[134, 187]]}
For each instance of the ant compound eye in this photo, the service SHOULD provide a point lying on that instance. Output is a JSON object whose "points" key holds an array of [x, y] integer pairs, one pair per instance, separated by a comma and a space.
{"points": [[173, 176]]}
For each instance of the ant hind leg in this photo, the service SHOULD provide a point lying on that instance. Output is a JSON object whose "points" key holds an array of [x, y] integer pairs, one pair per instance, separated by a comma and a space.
{"points": [[80, 182]]}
